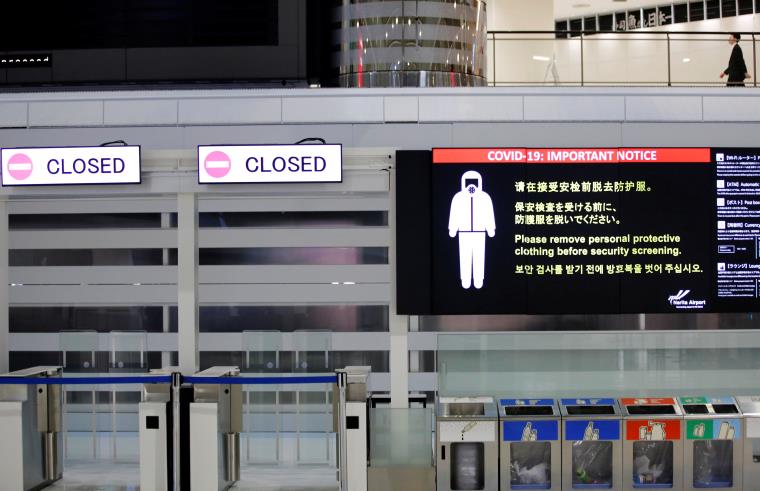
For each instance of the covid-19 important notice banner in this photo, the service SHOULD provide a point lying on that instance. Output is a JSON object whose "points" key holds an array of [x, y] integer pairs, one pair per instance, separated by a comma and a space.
{"points": [[591, 230]]}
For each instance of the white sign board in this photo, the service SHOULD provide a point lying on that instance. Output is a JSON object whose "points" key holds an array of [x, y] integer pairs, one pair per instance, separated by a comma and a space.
{"points": [[70, 166], [269, 163]]}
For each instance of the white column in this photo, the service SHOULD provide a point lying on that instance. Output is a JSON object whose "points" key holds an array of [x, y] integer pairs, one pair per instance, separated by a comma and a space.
{"points": [[165, 355], [514, 60], [187, 281], [4, 293], [398, 324]]}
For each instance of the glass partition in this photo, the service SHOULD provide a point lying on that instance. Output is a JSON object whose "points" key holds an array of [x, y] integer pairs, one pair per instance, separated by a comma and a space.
{"points": [[565, 364], [659, 56], [313, 407], [401, 437], [127, 354], [262, 421]]}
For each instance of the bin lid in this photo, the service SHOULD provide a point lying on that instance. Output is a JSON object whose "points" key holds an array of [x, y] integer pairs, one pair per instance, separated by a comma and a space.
{"points": [[478, 407], [520, 408], [648, 406], [749, 405], [584, 406], [708, 405]]}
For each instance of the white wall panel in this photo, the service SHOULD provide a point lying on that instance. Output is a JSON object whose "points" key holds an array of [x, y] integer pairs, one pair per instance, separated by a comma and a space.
{"points": [[658, 108], [140, 112], [536, 134], [328, 109], [404, 136], [731, 109], [47, 341], [575, 108], [321, 274], [474, 107], [372, 202], [13, 115], [271, 134], [230, 111], [283, 294], [341, 341], [94, 295], [304, 237], [92, 205], [66, 113], [93, 239], [93, 275], [145, 136], [691, 134], [402, 109]]}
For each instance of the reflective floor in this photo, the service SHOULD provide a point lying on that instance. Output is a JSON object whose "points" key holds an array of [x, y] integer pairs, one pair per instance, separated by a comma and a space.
{"points": [[125, 477]]}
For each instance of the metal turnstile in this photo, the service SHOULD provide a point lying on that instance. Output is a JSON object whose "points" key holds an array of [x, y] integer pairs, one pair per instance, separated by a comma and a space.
{"points": [[216, 420], [530, 447], [653, 445], [713, 445], [750, 408], [31, 446], [350, 422], [592, 449], [157, 433], [467, 447]]}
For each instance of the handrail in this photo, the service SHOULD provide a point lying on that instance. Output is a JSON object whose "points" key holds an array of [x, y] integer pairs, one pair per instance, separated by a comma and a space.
{"points": [[583, 36], [167, 379], [626, 33]]}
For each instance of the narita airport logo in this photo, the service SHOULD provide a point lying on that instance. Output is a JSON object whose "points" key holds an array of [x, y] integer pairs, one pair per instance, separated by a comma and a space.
{"points": [[679, 301]]}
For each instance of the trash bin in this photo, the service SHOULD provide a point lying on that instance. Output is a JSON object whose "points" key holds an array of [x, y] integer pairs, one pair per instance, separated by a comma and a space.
{"points": [[530, 447], [712, 443], [592, 450], [467, 448], [653, 445], [750, 408]]}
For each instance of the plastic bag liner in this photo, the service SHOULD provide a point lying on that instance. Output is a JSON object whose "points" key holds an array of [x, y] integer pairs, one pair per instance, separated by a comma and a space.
{"points": [[467, 466], [713, 463], [592, 465], [530, 466], [653, 464]]}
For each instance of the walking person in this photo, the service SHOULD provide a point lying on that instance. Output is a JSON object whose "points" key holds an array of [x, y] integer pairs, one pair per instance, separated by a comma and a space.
{"points": [[737, 69]]}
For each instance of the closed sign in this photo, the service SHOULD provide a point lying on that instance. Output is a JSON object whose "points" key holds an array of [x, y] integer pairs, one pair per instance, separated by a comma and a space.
{"points": [[269, 163], [70, 166]]}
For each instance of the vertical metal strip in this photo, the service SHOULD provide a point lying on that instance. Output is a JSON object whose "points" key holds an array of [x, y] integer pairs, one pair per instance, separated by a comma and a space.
{"points": [[176, 460]]}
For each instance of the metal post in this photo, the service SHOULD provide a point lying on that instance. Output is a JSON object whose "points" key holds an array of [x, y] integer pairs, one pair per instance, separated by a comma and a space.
{"points": [[4, 290], [754, 60], [670, 84], [582, 74], [176, 460], [493, 41], [341, 429]]}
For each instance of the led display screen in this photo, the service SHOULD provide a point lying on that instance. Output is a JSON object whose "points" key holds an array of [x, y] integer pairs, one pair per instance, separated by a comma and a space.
{"points": [[583, 230]]}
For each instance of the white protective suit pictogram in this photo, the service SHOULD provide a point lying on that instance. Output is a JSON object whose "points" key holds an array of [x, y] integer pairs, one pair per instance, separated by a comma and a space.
{"points": [[471, 217]]}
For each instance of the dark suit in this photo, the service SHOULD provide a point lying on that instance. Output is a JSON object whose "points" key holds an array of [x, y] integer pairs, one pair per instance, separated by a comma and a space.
{"points": [[736, 68]]}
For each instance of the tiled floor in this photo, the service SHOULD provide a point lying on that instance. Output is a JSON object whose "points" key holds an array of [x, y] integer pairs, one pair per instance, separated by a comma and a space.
{"points": [[125, 477]]}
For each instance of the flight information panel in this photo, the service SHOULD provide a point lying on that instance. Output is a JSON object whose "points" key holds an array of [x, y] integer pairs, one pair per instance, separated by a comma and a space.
{"points": [[593, 230]]}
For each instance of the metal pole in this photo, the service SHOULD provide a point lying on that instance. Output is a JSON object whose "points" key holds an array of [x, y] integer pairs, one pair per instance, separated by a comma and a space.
{"points": [[754, 60], [582, 73], [176, 444], [670, 83], [493, 40], [342, 440]]}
